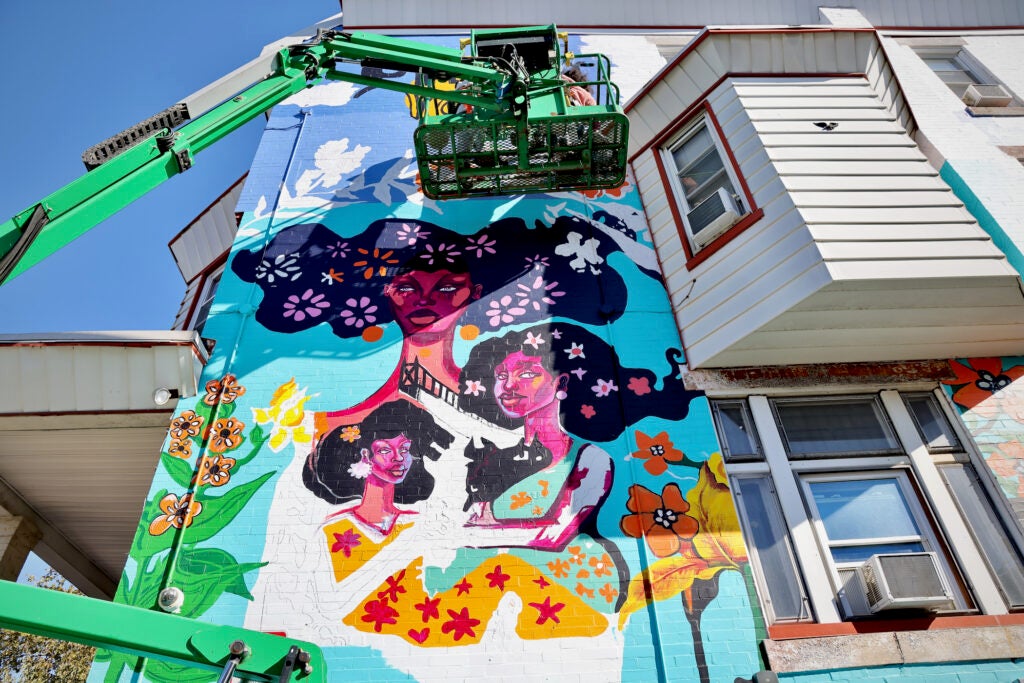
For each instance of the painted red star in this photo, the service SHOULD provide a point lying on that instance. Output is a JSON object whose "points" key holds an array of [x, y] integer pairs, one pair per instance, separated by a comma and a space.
{"points": [[542, 582], [497, 578], [463, 587], [429, 609], [460, 624], [547, 611]]}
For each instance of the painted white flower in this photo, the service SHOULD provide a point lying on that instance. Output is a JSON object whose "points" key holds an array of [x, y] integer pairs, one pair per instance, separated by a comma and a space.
{"points": [[576, 351], [583, 253], [534, 341], [281, 267], [603, 388], [474, 387], [333, 160], [359, 469]]}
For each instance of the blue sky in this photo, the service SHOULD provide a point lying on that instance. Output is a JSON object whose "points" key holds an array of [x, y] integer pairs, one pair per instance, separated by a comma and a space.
{"points": [[77, 73]]}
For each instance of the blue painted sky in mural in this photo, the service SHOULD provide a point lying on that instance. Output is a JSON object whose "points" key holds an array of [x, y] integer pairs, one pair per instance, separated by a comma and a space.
{"points": [[80, 72]]}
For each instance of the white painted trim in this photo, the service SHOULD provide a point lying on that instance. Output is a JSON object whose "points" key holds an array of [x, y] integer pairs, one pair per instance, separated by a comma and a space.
{"points": [[975, 571], [808, 554]]}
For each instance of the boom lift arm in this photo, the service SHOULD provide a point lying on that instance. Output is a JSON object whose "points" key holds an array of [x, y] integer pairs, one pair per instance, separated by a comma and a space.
{"points": [[515, 132]]}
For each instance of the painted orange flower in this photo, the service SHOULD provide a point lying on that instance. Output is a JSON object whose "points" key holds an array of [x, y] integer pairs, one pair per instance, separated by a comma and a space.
{"points": [[226, 435], [223, 390], [602, 566], [215, 470], [185, 425], [377, 264], [520, 499], [583, 591], [612, 192], [349, 434], [180, 449], [608, 593], [986, 389], [177, 513], [560, 568], [655, 451], [576, 554], [662, 520]]}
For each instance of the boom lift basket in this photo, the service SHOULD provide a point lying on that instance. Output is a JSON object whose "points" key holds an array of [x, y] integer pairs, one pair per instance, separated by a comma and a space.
{"points": [[543, 143]]}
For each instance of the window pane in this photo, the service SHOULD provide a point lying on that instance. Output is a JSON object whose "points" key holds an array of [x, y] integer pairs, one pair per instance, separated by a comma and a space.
{"points": [[988, 530], [700, 167], [767, 534], [736, 430], [847, 426], [860, 553], [861, 510], [935, 431]]}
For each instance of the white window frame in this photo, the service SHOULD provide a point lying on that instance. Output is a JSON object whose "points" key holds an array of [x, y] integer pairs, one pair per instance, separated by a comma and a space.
{"points": [[967, 62], [703, 121], [949, 532], [927, 537]]}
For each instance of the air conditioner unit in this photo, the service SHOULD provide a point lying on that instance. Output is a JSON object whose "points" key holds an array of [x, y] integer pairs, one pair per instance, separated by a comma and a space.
{"points": [[714, 214], [987, 95], [905, 580]]}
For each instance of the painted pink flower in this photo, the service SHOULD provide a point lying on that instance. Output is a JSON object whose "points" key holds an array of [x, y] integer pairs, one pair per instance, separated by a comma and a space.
{"points": [[442, 253], [480, 245], [338, 250], [538, 293], [411, 234], [639, 385], [308, 305], [587, 411], [604, 387], [359, 313], [344, 543], [502, 311], [537, 261]]}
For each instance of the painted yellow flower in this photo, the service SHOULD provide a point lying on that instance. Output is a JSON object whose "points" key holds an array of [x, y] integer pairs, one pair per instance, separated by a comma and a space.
{"points": [[350, 434], [286, 414]]}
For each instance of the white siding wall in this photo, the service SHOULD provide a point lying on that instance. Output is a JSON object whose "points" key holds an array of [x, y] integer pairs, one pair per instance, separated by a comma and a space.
{"points": [[863, 252], [208, 236]]}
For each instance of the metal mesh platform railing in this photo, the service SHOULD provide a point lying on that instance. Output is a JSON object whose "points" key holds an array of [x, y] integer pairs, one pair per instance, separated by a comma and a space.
{"points": [[462, 158]]}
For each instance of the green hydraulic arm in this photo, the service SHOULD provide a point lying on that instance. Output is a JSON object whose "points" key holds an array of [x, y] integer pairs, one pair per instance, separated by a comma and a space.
{"points": [[513, 134], [228, 650]]}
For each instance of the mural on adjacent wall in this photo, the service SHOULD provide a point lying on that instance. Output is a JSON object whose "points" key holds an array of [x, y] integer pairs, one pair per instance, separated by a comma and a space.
{"points": [[990, 395], [470, 414]]}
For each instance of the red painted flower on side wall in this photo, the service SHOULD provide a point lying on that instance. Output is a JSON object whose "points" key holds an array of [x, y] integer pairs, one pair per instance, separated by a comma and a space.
{"points": [[986, 389]]}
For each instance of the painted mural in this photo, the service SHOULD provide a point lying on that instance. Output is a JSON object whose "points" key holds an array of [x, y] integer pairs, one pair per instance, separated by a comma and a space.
{"points": [[445, 436], [990, 395]]}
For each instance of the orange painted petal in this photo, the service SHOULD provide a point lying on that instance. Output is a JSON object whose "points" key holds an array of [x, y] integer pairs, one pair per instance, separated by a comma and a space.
{"points": [[169, 503], [158, 526], [636, 525], [642, 499], [644, 441], [1014, 373], [655, 466], [686, 526], [674, 498], [963, 373], [661, 439], [672, 454], [993, 365], [663, 542]]}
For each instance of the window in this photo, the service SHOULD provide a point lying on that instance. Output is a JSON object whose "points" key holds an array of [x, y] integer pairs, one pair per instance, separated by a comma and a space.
{"points": [[822, 484], [959, 71], [703, 182], [205, 300]]}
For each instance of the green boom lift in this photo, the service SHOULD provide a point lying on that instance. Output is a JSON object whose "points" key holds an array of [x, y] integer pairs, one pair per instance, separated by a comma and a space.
{"points": [[494, 121]]}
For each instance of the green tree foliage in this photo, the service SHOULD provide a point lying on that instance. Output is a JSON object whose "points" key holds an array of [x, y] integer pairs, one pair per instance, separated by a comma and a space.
{"points": [[34, 659]]}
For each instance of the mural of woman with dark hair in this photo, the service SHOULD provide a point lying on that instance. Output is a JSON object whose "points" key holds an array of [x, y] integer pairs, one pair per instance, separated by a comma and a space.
{"points": [[376, 465], [556, 380]]}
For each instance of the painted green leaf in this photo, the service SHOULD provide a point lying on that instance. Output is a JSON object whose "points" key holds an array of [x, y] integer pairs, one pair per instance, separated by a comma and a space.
{"points": [[258, 436], [180, 470], [204, 574], [204, 410], [226, 410], [219, 511]]}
